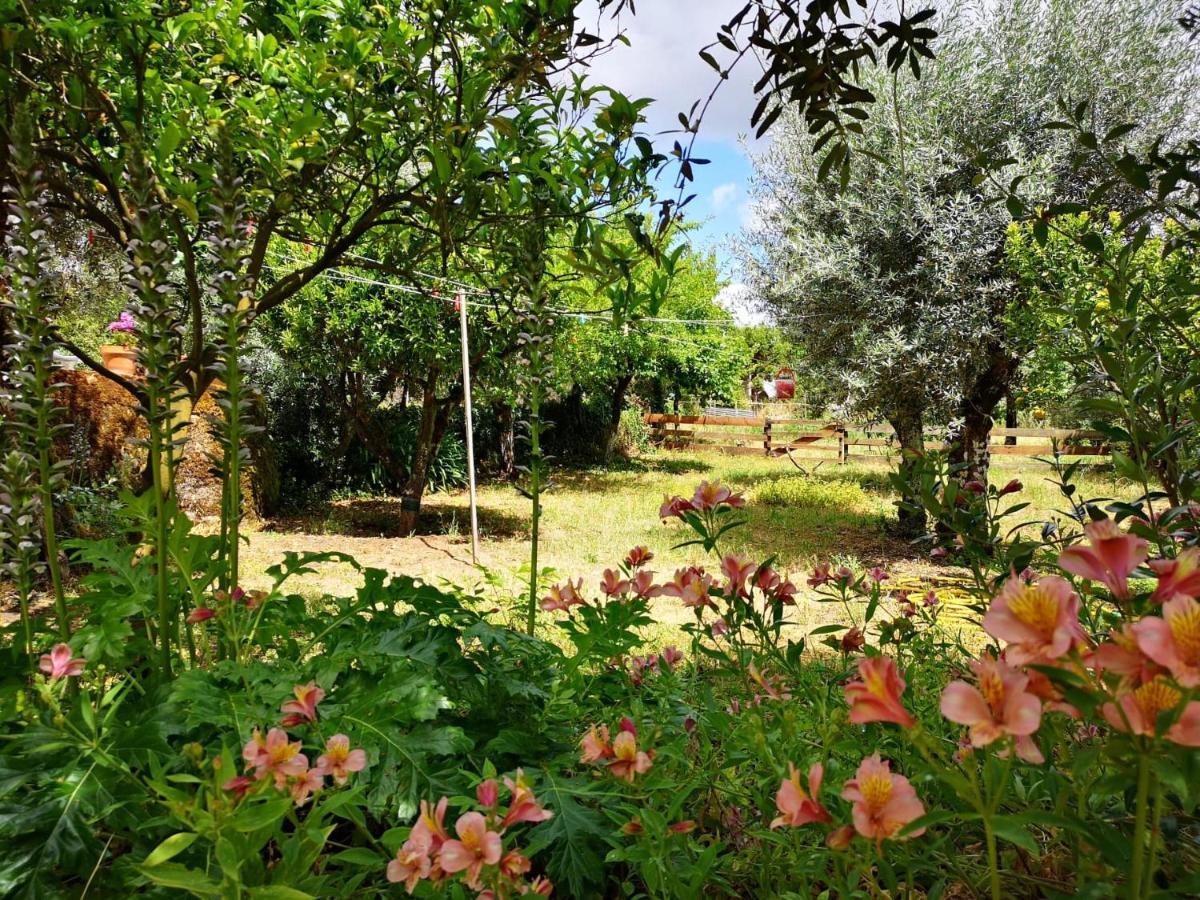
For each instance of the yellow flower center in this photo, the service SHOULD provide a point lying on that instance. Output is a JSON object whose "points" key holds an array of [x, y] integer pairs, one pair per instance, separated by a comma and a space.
{"points": [[281, 753], [1185, 628], [876, 790], [991, 685], [1154, 697], [1036, 608]]}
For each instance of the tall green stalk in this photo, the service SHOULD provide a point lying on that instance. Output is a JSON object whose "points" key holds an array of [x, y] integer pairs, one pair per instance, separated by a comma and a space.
{"points": [[18, 539], [159, 333], [535, 493], [32, 411], [228, 252], [535, 340]]}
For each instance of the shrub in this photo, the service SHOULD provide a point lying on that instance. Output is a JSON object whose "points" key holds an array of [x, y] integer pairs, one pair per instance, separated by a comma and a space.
{"points": [[798, 490]]}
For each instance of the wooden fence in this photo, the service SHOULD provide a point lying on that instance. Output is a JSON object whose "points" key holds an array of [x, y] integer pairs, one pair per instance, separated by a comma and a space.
{"points": [[819, 440]]}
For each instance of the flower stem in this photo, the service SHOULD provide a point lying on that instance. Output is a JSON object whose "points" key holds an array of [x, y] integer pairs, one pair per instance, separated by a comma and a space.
{"points": [[993, 861], [1139, 826], [1155, 833]]}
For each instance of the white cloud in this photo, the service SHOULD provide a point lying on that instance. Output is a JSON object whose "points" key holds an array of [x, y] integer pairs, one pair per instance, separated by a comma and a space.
{"points": [[722, 194], [662, 61], [739, 300]]}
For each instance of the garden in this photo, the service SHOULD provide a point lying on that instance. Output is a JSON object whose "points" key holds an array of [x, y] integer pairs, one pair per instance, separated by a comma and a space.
{"points": [[417, 480]]}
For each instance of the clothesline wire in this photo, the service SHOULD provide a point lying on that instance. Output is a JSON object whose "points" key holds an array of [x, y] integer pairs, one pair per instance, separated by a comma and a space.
{"points": [[581, 314]]}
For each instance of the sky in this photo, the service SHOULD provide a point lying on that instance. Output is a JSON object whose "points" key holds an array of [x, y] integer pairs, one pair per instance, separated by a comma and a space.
{"points": [[662, 61]]}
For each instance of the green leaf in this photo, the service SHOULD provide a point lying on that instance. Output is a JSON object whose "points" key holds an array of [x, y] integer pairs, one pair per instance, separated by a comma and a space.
{"points": [[827, 629], [173, 875], [168, 140], [577, 835], [359, 856], [1015, 832], [278, 892], [170, 848]]}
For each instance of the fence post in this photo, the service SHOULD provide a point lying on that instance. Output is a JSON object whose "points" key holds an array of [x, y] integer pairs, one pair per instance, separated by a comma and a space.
{"points": [[843, 444], [767, 435]]}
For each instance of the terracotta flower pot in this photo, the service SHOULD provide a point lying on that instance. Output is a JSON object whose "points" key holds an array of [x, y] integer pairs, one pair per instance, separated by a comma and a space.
{"points": [[120, 360]]}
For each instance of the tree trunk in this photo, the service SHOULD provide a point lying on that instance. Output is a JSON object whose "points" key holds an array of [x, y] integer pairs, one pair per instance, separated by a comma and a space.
{"points": [[910, 435], [508, 455], [424, 449], [658, 396], [612, 428], [970, 450]]}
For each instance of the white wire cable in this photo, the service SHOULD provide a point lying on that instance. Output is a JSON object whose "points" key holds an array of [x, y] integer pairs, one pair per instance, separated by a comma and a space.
{"points": [[582, 315]]}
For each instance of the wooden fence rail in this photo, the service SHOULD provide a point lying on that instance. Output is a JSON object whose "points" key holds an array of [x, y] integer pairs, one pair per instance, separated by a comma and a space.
{"points": [[841, 442]]}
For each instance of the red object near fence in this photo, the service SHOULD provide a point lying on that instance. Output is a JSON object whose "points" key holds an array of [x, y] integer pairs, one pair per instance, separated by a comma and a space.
{"points": [[785, 384]]}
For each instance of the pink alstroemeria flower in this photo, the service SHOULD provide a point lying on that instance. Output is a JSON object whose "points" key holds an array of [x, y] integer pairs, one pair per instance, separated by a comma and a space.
{"points": [[515, 864], [1177, 576], [339, 760], [883, 803], [1000, 705], [771, 685], [691, 586], [675, 507], [642, 585], [475, 848], [736, 569], [564, 596], [819, 575], [638, 557], [875, 697], [628, 761], [877, 574], [671, 656], [1173, 640], [487, 792], [711, 494], [799, 807], [594, 745], [1039, 621], [307, 783], [275, 755], [412, 863], [524, 806], [416, 858], [200, 614], [853, 640], [1121, 655], [239, 785], [1138, 710], [1112, 556], [303, 708], [612, 584], [775, 586], [59, 663]]}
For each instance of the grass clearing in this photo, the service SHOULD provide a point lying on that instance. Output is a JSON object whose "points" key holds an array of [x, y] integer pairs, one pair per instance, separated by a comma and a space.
{"points": [[593, 516]]}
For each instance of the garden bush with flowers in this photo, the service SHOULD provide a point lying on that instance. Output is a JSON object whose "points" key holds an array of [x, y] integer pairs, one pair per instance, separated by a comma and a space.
{"points": [[369, 751]]}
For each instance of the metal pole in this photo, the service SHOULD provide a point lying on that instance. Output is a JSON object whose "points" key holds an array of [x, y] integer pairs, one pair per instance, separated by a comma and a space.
{"points": [[461, 303]]}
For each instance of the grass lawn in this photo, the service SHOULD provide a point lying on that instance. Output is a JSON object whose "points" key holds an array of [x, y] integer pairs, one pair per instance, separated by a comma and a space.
{"points": [[593, 516]]}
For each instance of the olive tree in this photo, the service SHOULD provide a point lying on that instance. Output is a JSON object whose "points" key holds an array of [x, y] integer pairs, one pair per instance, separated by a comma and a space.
{"points": [[897, 274]]}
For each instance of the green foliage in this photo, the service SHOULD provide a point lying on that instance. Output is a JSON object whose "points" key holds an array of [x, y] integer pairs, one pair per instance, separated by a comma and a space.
{"points": [[1127, 307], [801, 491]]}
